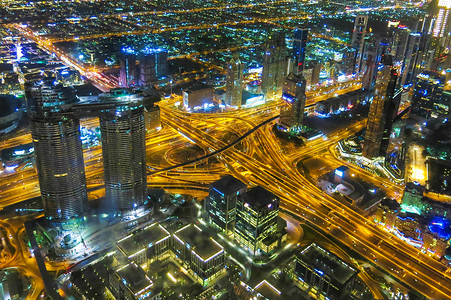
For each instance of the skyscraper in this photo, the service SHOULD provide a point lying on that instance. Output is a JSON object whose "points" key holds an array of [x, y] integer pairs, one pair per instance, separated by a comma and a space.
{"points": [[300, 38], [153, 64], [274, 67], [161, 62], [147, 70], [369, 77], [383, 110], [257, 212], [412, 59], [399, 36], [441, 20], [234, 85], [124, 149], [358, 37], [128, 72], [57, 144], [221, 202], [292, 112]]}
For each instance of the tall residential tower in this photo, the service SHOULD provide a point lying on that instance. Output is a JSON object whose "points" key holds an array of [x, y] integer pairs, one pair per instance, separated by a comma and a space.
{"points": [[124, 149], [58, 149]]}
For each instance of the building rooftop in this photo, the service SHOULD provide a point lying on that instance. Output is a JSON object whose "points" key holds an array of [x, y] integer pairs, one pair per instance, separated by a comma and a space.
{"points": [[200, 242], [390, 204], [415, 188], [258, 197], [438, 176], [197, 87], [228, 185], [151, 235], [293, 77], [9, 104], [268, 290], [327, 263], [134, 278]]}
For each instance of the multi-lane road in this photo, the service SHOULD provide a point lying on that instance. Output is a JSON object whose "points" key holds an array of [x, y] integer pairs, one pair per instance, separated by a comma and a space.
{"points": [[269, 167]]}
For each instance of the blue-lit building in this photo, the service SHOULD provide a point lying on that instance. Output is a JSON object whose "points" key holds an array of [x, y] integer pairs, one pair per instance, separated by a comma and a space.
{"points": [[153, 64], [221, 202], [300, 38], [324, 272], [128, 72], [142, 68], [429, 99]]}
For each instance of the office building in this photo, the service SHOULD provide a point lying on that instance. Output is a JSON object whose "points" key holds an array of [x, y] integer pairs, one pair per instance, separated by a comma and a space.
{"points": [[199, 252], [357, 41], [161, 62], [130, 282], [429, 100], [197, 96], [316, 70], [58, 149], [221, 202], [128, 69], [399, 36], [274, 67], [300, 38], [292, 112], [234, 84], [412, 62], [256, 220], [123, 149], [383, 109], [147, 69], [151, 110], [146, 245], [325, 273], [441, 28], [151, 65], [11, 113], [438, 176], [368, 79], [13, 286]]}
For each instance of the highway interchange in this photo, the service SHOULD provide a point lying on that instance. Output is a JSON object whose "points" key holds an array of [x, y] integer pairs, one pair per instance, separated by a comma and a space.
{"points": [[260, 160], [257, 160]]}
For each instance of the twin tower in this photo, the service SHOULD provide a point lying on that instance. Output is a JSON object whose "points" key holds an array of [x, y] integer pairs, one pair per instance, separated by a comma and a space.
{"points": [[54, 113]]}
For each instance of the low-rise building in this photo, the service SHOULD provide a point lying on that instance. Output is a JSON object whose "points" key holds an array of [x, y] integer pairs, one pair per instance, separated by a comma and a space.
{"points": [[199, 252], [130, 282], [324, 272], [145, 245], [197, 96]]}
